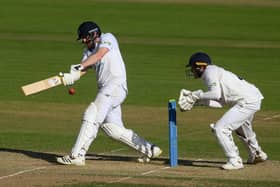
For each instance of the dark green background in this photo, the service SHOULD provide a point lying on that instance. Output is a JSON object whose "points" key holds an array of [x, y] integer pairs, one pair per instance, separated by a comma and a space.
{"points": [[37, 40]]}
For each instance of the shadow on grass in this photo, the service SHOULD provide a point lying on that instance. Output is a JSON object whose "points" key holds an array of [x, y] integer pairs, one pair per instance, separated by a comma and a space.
{"points": [[49, 157], [181, 162]]}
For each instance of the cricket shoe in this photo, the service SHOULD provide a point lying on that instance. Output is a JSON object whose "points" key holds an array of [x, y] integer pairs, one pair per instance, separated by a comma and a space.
{"points": [[233, 163], [143, 159], [156, 151], [68, 160], [260, 156]]}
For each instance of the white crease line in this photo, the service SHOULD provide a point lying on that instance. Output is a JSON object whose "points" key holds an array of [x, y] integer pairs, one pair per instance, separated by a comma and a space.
{"points": [[153, 171], [104, 153], [144, 173], [272, 117], [113, 151], [120, 180], [21, 172], [118, 150]]}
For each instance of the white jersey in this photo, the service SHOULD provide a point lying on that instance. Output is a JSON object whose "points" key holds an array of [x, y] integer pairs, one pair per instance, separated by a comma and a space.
{"points": [[110, 70], [226, 87]]}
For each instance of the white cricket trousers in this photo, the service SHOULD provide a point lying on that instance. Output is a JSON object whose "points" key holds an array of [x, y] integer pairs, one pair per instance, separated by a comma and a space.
{"points": [[106, 108], [238, 118]]}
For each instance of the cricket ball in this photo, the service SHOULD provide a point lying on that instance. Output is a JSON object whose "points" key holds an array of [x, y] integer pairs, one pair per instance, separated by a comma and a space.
{"points": [[71, 91]]}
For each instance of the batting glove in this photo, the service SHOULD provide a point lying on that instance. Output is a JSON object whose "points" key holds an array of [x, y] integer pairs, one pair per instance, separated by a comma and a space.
{"points": [[67, 79], [75, 71]]}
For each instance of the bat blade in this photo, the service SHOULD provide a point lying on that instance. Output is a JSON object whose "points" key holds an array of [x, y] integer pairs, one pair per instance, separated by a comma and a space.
{"points": [[42, 85]]}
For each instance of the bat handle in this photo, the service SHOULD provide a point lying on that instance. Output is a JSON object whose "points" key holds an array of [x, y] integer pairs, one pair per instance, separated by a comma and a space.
{"points": [[61, 74]]}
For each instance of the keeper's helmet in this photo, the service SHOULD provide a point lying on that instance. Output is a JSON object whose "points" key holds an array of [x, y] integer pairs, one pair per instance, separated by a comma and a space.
{"points": [[198, 62], [87, 29]]}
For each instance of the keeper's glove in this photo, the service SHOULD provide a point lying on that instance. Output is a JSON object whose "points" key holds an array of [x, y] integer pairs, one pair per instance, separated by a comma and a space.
{"points": [[187, 99]]}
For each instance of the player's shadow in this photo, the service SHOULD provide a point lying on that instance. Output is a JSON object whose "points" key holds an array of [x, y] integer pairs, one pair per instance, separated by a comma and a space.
{"points": [[161, 160], [201, 163], [49, 157]]}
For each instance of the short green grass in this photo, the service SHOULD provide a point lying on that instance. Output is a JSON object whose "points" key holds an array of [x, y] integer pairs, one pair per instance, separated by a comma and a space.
{"points": [[37, 40], [156, 41], [196, 182]]}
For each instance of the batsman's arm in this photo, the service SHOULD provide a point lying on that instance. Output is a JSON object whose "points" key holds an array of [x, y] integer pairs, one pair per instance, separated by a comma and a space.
{"points": [[93, 59], [42, 85]]}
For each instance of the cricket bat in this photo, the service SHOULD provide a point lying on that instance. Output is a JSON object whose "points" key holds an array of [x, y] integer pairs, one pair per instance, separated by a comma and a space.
{"points": [[42, 85]]}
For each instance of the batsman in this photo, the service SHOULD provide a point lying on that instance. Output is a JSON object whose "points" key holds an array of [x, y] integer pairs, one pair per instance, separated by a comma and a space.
{"points": [[102, 54], [226, 88]]}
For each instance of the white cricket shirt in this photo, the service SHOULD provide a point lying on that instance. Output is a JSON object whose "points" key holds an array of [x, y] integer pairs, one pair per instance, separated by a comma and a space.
{"points": [[110, 70], [226, 87]]}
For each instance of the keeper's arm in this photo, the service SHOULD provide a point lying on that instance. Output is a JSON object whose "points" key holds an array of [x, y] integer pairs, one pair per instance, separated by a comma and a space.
{"points": [[210, 103], [211, 80]]}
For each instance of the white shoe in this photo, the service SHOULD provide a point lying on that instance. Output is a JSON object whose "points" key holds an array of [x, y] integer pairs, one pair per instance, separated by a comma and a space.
{"points": [[156, 151], [233, 163], [260, 156], [143, 159], [68, 160]]}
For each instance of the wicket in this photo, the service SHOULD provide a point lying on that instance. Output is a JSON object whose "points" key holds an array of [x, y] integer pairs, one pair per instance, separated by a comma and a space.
{"points": [[173, 147]]}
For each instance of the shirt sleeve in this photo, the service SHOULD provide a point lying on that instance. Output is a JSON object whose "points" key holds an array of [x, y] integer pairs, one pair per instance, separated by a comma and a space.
{"points": [[107, 42], [211, 80], [85, 56], [210, 103]]}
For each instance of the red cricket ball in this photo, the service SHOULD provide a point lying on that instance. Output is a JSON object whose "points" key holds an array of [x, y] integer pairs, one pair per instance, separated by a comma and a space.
{"points": [[71, 91]]}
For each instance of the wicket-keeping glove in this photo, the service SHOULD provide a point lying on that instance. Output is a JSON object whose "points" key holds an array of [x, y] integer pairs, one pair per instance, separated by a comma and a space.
{"points": [[183, 103], [188, 98]]}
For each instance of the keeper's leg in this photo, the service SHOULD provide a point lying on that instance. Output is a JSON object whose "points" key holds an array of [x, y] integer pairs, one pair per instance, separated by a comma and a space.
{"points": [[248, 137], [229, 122]]}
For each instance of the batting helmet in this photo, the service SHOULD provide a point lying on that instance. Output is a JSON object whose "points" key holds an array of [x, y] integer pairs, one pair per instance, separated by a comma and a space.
{"points": [[87, 28]]}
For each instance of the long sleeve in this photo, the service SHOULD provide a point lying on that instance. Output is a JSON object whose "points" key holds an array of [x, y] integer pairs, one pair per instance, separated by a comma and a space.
{"points": [[211, 80]]}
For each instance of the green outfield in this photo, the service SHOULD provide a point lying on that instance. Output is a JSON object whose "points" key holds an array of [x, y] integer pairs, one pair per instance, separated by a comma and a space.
{"points": [[37, 40]]}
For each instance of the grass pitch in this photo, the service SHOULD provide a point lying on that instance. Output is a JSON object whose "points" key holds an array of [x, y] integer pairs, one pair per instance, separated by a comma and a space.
{"points": [[37, 40]]}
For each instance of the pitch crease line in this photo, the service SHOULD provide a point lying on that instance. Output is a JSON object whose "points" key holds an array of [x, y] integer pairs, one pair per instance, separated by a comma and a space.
{"points": [[120, 180], [143, 174], [272, 117], [22, 172], [153, 171], [113, 151]]}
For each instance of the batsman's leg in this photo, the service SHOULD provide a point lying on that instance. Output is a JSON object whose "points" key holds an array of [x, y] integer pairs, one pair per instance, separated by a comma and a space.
{"points": [[87, 134], [128, 137], [131, 139]]}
